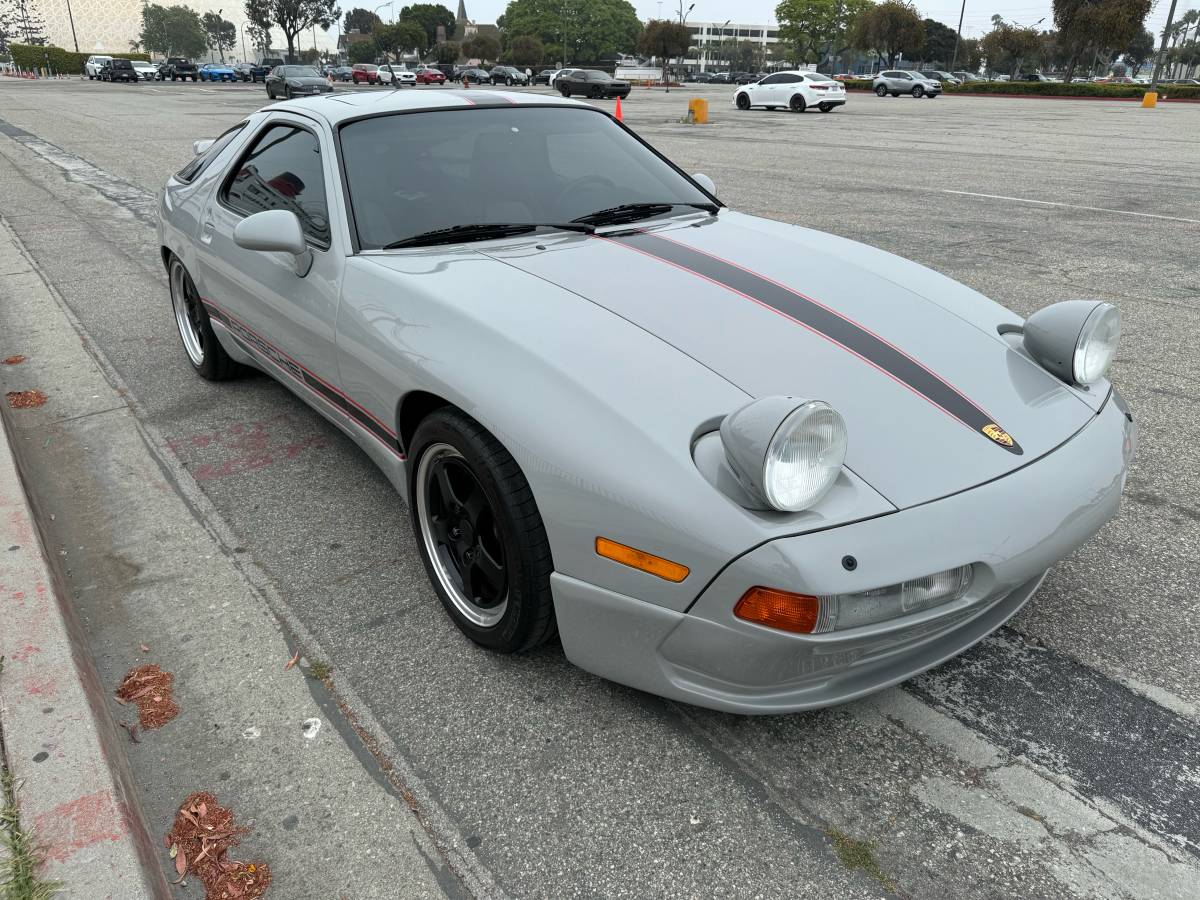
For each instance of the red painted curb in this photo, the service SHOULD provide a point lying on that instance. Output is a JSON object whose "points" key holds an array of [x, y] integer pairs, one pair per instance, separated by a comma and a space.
{"points": [[1161, 98]]}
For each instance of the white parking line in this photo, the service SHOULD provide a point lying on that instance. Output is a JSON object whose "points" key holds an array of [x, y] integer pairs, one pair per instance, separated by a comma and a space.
{"points": [[1117, 212]]}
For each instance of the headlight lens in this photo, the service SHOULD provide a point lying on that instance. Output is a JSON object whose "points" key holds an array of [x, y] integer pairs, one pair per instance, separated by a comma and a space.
{"points": [[1097, 344], [804, 457]]}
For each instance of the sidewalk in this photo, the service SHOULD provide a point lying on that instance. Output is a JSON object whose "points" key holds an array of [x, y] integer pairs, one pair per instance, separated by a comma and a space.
{"points": [[152, 582]]}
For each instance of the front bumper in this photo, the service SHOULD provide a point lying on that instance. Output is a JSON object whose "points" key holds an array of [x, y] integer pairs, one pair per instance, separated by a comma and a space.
{"points": [[1013, 529]]}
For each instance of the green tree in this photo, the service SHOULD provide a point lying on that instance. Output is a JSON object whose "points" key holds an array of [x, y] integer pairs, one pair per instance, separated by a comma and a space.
{"points": [[482, 47], [818, 30], [1139, 51], [400, 38], [970, 57], [1011, 50], [258, 25], [428, 16], [295, 16], [664, 39], [939, 42], [1085, 25], [310, 56], [361, 52], [361, 20], [446, 53], [576, 30], [889, 29], [172, 31], [525, 50], [220, 34]]}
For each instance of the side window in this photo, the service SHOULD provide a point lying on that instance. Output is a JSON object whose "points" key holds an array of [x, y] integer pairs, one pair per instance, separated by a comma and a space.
{"points": [[773, 79], [283, 170], [189, 172], [791, 79]]}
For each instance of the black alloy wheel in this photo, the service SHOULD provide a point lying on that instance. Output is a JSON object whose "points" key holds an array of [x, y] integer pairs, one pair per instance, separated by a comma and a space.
{"points": [[743, 101], [480, 535], [797, 104]]}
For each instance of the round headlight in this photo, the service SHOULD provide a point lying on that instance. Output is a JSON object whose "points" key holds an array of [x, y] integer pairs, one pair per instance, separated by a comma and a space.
{"points": [[1097, 344], [804, 457]]}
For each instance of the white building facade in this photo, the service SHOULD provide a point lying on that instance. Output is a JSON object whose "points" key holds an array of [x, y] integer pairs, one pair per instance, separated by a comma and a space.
{"points": [[715, 40]]}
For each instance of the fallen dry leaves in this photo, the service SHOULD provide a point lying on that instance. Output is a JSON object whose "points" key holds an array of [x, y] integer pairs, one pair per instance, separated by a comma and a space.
{"points": [[150, 688], [199, 842], [291, 662], [14, 360], [26, 399]]}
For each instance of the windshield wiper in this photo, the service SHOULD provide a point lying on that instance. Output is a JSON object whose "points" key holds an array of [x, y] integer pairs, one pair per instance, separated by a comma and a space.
{"points": [[482, 231], [631, 212]]}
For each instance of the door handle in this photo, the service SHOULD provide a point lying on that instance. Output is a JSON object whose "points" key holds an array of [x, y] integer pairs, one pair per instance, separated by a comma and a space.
{"points": [[206, 229]]}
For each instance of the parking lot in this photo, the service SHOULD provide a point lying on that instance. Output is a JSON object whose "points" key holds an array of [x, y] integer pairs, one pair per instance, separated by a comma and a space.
{"points": [[1059, 758]]}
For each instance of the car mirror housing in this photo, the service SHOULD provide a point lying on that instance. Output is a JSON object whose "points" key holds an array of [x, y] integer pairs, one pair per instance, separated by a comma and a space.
{"points": [[705, 182], [199, 147], [278, 231]]}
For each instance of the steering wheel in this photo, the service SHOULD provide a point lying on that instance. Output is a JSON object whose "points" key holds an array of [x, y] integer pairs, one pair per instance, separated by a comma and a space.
{"points": [[598, 180]]}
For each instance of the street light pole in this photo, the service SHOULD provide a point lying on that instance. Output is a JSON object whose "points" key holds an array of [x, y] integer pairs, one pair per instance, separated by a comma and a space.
{"points": [[958, 37], [71, 18], [1162, 51]]}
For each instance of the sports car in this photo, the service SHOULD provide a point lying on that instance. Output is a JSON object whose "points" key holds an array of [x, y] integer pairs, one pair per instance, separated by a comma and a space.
{"points": [[217, 72], [727, 460]]}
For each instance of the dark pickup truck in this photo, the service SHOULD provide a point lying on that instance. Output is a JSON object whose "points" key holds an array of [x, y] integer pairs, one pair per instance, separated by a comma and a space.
{"points": [[263, 69], [177, 67]]}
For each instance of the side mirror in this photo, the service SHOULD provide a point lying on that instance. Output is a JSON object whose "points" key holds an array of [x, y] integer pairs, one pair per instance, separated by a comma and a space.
{"points": [[705, 182], [275, 231], [199, 147]]}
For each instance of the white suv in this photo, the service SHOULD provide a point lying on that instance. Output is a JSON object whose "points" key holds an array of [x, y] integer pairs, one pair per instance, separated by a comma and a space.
{"points": [[94, 64], [902, 82]]}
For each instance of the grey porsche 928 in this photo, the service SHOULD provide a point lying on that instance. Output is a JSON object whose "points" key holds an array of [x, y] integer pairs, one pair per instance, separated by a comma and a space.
{"points": [[727, 460]]}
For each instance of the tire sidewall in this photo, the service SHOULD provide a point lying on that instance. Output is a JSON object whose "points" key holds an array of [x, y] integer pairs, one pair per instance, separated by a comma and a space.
{"points": [[881, 91], [449, 426], [212, 347]]}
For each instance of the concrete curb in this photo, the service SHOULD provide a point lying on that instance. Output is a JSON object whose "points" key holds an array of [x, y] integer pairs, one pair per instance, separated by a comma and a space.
{"points": [[72, 779]]}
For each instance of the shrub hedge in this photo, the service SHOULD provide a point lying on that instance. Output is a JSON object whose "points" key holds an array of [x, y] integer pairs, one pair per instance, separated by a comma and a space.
{"points": [[1056, 89], [66, 62]]}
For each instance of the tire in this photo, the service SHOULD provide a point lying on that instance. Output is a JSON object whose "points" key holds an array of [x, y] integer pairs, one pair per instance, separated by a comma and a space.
{"points": [[825, 107], [772, 108], [881, 91], [895, 93], [932, 96], [287, 92], [566, 90], [918, 92], [200, 344], [797, 104], [508, 82], [458, 467], [270, 93], [743, 101]]}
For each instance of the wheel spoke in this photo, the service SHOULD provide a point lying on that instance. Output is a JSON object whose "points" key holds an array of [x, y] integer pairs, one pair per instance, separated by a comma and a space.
{"points": [[487, 576], [475, 505], [445, 488]]}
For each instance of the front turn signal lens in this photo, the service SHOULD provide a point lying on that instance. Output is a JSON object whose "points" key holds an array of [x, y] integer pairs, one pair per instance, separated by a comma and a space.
{"points": [[784, 610], [640, 559]]}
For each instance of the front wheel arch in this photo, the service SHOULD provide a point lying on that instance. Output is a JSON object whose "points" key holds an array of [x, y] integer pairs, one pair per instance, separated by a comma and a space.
{"points": [[414, 407]]}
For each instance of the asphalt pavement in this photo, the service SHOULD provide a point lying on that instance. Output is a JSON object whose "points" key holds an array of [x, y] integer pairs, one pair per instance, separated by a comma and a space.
{"points": [[1057, 759]]}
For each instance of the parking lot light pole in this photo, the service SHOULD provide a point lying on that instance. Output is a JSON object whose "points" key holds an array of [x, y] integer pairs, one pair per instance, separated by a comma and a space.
{"points": [[71, 19], [1162, 51], [958, 37]]}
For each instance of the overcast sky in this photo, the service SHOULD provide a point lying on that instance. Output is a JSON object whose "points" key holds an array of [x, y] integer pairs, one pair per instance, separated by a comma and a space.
{"points": [[977, 21]]}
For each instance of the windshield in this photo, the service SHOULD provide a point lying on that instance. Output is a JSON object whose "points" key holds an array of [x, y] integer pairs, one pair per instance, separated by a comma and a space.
{"points": [[598, 76], [504, 164], [300, 72]]}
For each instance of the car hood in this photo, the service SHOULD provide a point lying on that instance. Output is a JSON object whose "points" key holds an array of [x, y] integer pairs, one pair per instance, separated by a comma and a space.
{"points": [[935, 400]]}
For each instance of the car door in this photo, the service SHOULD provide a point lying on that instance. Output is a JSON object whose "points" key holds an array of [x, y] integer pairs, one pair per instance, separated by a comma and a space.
{"points": [[288, 163], [761, 92]]}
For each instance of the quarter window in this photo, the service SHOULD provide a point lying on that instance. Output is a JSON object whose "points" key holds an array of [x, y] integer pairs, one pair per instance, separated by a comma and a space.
{"points": [[283, 171], [773, 79]]}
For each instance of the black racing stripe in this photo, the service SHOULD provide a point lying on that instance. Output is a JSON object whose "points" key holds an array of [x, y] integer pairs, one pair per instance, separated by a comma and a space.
{"points": [[253, 343], [829, 324]]}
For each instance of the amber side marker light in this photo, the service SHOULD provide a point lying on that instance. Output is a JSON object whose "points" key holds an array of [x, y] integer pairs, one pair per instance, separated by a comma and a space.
{"points": [[639, 559], [784, 610]]}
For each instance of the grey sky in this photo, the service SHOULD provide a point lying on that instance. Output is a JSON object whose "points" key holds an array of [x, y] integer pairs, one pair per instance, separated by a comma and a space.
{"points": [[977, 21]]}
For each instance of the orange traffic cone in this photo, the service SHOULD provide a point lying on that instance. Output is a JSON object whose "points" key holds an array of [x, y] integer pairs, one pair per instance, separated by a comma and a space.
{"points": [[620, 118]]}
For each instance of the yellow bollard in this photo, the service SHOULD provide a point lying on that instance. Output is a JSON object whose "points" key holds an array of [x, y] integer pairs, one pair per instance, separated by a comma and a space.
{"points": [[698, 110], [1149, 100]]}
